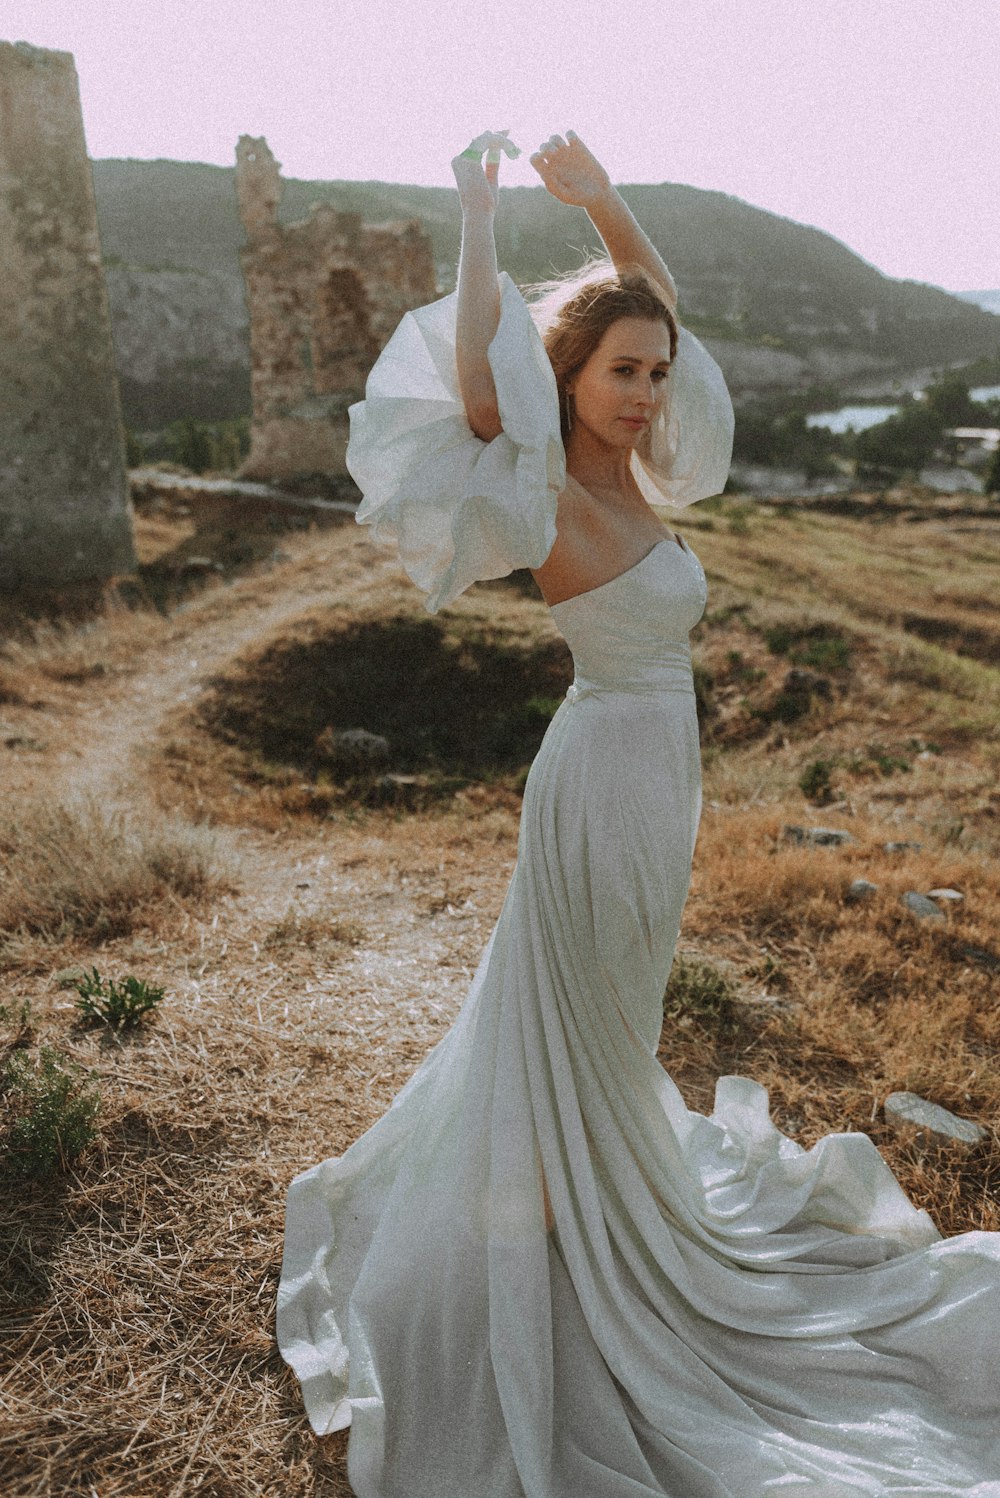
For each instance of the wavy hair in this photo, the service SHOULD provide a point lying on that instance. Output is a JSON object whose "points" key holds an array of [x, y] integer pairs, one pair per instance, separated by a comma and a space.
{"points": [[572, 313]]}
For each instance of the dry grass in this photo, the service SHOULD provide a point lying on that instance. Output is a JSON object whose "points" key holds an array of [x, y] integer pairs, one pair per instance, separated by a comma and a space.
{"points": [[139, 1357], [77, 869]]}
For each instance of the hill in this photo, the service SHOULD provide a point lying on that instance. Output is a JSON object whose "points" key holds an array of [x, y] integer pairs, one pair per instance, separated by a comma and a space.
{"points": [[779, 303]]}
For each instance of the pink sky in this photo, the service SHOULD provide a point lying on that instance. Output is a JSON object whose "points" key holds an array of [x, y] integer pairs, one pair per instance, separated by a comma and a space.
{"points": [[876, 120]]}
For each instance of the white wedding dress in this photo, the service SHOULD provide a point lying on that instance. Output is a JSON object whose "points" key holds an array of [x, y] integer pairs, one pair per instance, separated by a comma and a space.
{"points": [[714, 1312]]}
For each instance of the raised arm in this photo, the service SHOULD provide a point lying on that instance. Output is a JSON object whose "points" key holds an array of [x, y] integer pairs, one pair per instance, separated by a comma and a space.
{"points": [[574, 175], [478, 288]]}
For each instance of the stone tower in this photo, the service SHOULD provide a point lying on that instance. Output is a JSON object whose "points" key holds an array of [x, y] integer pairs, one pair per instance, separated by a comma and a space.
{"points": [[64, 509], [325, 296]]}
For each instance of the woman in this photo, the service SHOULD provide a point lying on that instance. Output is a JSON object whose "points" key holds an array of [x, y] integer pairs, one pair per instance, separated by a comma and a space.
{"points": [[540, 1274]]}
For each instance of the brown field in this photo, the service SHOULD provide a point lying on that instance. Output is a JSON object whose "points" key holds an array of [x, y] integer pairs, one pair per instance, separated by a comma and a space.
{"points": [[172, 811]]}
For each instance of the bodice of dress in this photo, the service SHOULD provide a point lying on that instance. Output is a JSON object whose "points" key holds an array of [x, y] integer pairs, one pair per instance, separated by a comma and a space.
{"points": [[631, 634]]}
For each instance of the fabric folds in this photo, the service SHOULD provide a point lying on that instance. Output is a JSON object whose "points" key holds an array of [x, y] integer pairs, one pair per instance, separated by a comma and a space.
{"points": [[687, 452], [462, 510], [540, 1275]]}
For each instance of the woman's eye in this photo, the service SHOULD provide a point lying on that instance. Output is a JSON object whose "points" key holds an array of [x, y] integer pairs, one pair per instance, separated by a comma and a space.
{"points": [[623, 369], [660, 374]]}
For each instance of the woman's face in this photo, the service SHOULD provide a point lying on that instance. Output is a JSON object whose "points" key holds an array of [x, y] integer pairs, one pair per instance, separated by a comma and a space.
{"points": [[621, 387]]}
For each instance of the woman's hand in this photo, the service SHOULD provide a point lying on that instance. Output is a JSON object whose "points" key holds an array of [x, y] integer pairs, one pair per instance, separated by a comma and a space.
{"points": [[478, 187], [571, 172]]}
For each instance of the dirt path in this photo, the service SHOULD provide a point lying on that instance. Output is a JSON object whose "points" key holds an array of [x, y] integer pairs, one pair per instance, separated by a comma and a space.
{"points": [[97, 733], [419, 901]]}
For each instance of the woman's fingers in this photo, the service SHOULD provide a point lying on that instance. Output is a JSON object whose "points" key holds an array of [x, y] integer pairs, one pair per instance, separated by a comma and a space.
{"points": [[492, 142], [478, 180]]}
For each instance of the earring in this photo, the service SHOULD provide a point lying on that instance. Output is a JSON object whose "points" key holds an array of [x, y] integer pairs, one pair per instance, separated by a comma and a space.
{"points": [[567, 412]]}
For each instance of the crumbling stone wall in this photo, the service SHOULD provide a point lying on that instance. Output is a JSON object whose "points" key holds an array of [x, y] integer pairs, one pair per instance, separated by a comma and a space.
{"points": [[325, 295], [65, 516]]}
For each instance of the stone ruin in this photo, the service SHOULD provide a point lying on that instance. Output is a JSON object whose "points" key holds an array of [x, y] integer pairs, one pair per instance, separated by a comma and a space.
{"points": [[325, 295], [65, 516]]}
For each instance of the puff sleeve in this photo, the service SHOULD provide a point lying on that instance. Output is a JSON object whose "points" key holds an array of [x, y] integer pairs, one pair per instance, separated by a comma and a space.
{"points": [[687, 452], [460, 509]]}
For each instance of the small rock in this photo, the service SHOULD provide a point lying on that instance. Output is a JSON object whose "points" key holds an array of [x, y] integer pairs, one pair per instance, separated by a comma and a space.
{"points": [[908, 1114], [983, 956], [200, 564], [920, 906], [822, 837], [353, 748], [902, 847], [860, 889], [68, 977], [397, 790], [947, 896]]}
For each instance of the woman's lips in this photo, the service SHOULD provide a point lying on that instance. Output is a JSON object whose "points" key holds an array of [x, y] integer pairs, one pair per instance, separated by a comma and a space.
{"points": [[635, 422]]}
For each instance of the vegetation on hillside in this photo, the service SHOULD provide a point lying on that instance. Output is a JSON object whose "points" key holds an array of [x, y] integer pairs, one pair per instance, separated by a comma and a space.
{"points": [[743, 272], [775, 431]]}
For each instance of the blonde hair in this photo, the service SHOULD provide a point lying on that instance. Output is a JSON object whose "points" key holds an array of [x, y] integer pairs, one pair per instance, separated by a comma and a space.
{"points": [[573, 313]]}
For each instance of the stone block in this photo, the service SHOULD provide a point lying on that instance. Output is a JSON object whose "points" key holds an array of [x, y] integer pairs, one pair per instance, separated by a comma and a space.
{"points": [[325, 295], [65, 516], [920, 906], [910, 1115], [820, 837]]}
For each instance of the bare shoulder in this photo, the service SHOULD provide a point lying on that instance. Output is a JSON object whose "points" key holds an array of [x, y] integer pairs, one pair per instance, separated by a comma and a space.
{"points": [[595, 541]]}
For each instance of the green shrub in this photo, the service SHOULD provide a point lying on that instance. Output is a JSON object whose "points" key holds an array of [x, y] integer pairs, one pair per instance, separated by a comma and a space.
{"points": [[201, 445], [741, 670], [54, 1105], [821, 646], [698, 991], [885, 761], [794, 701], [904, 443], [120, 1006], [816, 781]]}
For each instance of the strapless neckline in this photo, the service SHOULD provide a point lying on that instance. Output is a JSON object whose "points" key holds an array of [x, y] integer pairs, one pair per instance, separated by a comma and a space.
{"points": [[677, 542]]}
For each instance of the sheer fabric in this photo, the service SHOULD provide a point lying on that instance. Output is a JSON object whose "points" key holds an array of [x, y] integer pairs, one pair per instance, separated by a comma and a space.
{"points": [[461, 510], [540, 1275]]}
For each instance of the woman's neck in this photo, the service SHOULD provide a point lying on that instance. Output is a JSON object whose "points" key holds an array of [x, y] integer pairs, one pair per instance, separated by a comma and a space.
{"points": [[602, 470]]}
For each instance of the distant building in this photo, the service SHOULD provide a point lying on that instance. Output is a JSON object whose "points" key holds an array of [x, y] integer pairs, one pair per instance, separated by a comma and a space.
{"points": [[325, 296], [975, 441]]}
